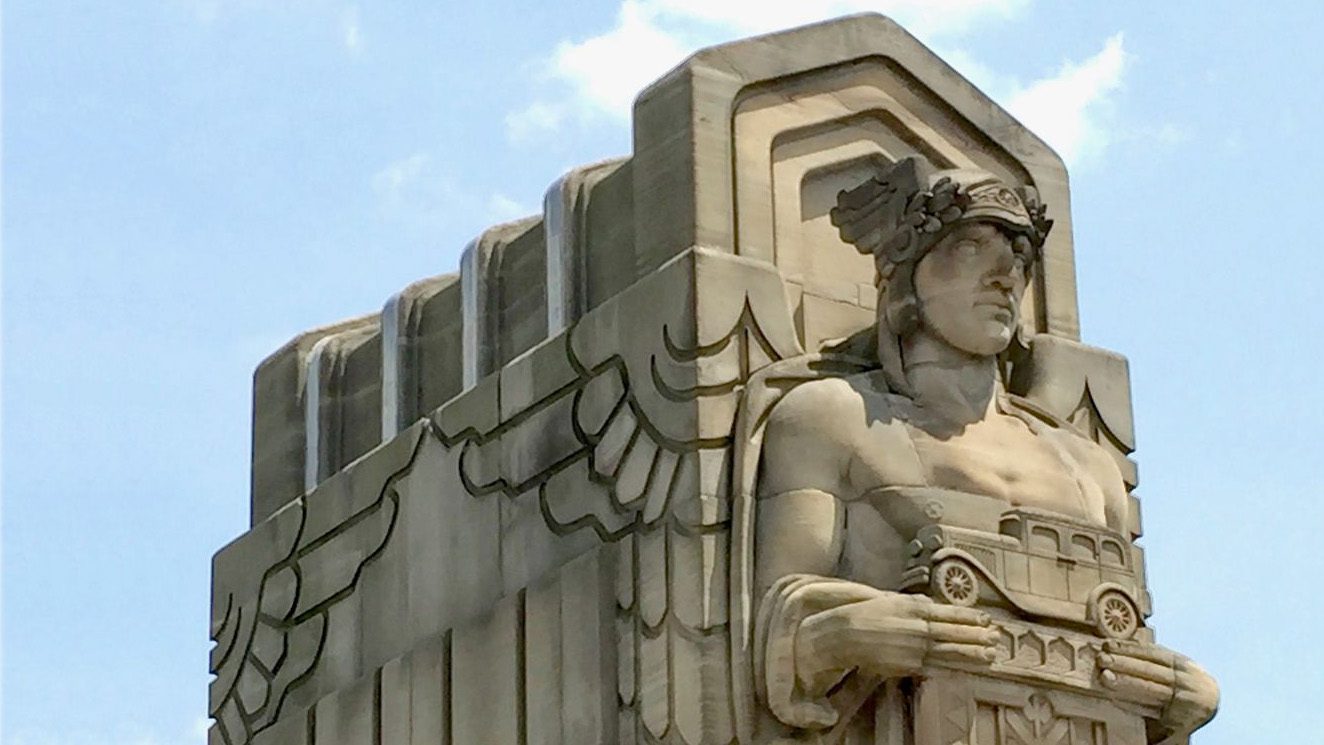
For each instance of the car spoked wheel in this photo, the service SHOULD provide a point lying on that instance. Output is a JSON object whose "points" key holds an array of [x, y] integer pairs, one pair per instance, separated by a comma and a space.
{"points": [[1115, 615], [955, 582]]}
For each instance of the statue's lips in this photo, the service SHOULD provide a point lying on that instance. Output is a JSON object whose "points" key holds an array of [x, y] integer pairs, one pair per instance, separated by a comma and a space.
{"points": [[1003, 309]]}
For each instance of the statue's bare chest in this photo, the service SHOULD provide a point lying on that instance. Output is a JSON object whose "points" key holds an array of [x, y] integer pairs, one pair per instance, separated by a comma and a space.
{"points": [[998, 457]]}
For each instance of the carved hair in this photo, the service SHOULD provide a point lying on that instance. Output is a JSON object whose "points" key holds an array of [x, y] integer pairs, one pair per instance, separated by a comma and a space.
{"points": [[899, 215]]}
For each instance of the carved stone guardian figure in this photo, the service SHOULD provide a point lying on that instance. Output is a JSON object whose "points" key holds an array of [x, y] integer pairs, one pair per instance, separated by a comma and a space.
{"points": [[905, 514], [777, 430]]}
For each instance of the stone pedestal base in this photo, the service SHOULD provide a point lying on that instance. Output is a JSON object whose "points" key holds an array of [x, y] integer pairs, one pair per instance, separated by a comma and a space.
{"points": [[959, 708]]}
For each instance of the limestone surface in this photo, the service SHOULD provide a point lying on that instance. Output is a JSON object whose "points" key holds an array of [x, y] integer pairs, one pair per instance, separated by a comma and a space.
{"points": [[778, 430]]}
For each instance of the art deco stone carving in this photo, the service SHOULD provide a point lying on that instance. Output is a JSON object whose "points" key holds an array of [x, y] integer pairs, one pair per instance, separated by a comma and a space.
{"points": [[776, 431], [898, 517]]}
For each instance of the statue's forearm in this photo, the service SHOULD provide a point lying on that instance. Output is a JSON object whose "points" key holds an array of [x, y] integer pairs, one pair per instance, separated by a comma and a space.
{"points": [[798, 659]]}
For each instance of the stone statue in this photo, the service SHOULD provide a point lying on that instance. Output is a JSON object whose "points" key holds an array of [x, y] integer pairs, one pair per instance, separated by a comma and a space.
{"points": [[779, 429], [849, 463]]}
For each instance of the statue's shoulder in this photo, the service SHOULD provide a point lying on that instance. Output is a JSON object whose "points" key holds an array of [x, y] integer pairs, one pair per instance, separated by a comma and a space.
{"points": [[813, 394], [830, 396], [838, 409]]}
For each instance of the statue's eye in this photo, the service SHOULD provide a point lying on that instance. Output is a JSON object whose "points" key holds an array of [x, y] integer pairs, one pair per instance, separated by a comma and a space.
{"points": [[1022, 250], [967, 249]]}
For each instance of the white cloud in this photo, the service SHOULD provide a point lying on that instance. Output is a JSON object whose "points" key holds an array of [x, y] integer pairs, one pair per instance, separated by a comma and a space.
{"points": [[206, 11], [605, 72], [1067, 109], [399, 174], [1168, 134], [415, 187], [342, 22], [350, 28], [501, 208], [1233, 143], [602, 74], [925, 18], [539, 116], [608, 70]]}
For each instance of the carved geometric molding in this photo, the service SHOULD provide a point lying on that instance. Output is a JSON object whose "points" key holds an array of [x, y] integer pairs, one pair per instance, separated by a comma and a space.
{"points": [[800, 141], [1036, 724], [961, 709], [862, 87]]}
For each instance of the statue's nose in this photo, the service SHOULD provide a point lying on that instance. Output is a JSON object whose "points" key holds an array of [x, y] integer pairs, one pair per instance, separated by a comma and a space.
{"points": [[999, 275], [1000, 281]]}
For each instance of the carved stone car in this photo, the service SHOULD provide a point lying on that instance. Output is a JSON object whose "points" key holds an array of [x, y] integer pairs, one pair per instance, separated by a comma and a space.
{"points": [[969, 549]]}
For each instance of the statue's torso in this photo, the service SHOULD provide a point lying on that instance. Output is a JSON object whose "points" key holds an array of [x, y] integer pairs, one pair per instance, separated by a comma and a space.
{"points": [[1007, 456]]}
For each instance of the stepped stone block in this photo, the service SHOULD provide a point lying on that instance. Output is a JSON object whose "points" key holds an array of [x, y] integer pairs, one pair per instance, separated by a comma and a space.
{"points": [[279, 433], [342, 402], [421, 363]]}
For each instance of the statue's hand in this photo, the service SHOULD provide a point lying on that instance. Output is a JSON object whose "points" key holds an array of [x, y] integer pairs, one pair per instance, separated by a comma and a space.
{"points": [[1147, 673], [894, 635]]}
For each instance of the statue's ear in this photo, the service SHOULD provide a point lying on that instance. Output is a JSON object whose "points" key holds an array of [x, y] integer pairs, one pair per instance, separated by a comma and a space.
{"points": [[900, 303]]}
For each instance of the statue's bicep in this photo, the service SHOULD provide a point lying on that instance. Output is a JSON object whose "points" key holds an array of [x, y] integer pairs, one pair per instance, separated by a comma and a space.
{"points": [[802, 448], [798, 532]]}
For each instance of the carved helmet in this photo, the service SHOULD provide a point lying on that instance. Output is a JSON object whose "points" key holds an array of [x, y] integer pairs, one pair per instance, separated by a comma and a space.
{"points": [[902, 213]]}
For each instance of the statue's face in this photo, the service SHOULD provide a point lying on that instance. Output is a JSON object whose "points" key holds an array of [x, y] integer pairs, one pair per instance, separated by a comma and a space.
{"points": [[969, 288]]}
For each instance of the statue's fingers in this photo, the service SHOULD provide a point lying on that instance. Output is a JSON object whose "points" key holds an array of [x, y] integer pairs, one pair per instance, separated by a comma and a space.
{"points": [[1191, 709], [969, 653], [1198, 690], [1137, 689], [1141, 650], [956, 614], [1190, 699], [1139, 668], [820, 593], [1190, 671], [891, 657], [960, 633]]}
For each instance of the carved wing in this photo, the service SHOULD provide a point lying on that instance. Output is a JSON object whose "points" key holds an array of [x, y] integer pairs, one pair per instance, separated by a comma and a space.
{"points": [[633, 441], [761, 394], [274, 607]]}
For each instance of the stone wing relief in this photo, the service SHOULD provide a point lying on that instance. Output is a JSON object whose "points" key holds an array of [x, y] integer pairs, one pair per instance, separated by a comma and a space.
{"points": [[296, 566], [625, 417], [608, 467], [635, 444], [674, 624], [619, 432]]}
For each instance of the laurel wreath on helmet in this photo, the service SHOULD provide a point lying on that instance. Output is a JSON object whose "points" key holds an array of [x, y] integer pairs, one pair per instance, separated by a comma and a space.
{"points": [[861, 217]]}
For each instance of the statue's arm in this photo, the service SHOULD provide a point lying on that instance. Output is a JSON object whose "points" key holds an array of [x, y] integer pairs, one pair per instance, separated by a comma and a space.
{"points": [[799, 534], [814, 628], [804, 465], [1186, 695]]}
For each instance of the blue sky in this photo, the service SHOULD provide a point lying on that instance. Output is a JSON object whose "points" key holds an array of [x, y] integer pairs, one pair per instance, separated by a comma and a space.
{"points": [[187, 183]]}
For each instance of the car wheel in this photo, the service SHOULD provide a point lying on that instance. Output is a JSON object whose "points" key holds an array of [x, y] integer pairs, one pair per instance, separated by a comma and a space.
{"points": [[1115, 616], [955, 582]]}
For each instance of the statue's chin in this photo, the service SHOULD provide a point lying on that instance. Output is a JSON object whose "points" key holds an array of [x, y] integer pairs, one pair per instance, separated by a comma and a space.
{"points": [[993, 339], [978, 337]]}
